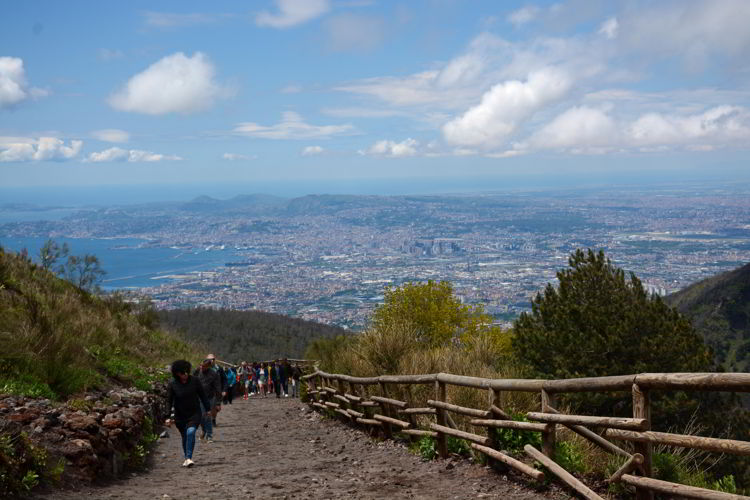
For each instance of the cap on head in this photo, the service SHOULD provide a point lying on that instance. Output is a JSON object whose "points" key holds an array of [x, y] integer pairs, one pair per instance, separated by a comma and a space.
{"points": [[211, 357]]}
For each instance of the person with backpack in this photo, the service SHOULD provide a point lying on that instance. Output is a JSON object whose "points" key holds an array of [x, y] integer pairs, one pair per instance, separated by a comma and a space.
{"points": [[211, 382], [231, 381]]}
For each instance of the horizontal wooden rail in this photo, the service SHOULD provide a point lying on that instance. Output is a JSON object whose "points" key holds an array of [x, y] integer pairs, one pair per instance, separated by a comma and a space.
{"points": [[594, 437], [331, 404], [697, 442], [370, 404], [510, 461], [636, 424], [462, 410], [342, 412], [419, 432], [474, 438], [510, 424], [634, 462], [341, 398], [735, 382], [389, 401], [352, 397], [369, 421], [393, 421], [679, 490], [418, 411], [355, 413]]}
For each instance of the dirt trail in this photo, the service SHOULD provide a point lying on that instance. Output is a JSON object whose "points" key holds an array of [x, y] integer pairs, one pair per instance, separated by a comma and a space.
{"points": [[279, 448]]}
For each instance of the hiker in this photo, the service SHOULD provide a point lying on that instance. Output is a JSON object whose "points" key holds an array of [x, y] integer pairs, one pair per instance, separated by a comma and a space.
{"points": [[278, 377], [186, 395], [262, 377], [219, 397], [243, 372], [231, 380], [209, 379], [296, 375], [286, 374]]}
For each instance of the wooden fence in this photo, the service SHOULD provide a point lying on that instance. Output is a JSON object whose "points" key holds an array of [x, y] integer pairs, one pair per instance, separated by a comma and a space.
{"points": [[366, 401]]}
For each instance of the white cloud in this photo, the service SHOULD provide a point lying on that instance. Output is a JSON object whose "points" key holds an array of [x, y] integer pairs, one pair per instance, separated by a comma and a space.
{"points": [[236, 157], [393, 149], [578, 128], [363, 112], [129, 155], [312, 151], [504, 107], [19, 149], [174, 84], [352, 32], [523, 15], [13, 85], [718, 126], [111, 135], [292, 12], [291, 127], [698, 32], [609, 28]]}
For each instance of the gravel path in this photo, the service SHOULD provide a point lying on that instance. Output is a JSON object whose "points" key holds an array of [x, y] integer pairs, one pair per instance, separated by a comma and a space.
{"points": [[279, 448]]}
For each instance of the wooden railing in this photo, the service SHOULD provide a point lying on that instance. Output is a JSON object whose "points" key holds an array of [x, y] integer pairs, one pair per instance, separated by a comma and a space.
{"points": [[366, 401]]}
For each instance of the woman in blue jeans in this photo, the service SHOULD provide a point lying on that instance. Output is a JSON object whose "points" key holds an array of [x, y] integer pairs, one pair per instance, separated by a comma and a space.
{"points": [[185, 394]]}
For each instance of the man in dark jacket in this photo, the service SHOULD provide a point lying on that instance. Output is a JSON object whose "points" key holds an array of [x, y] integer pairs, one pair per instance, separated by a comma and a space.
{"points": [[278, 376], [224, 388], [211, 382]]}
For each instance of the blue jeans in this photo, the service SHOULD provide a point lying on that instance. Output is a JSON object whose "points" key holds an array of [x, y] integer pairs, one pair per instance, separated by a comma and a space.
{"points": [[206, 420], [188, 441]]}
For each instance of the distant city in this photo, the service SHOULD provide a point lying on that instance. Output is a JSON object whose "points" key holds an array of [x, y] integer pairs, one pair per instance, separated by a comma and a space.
{"points": [[328, 258]]}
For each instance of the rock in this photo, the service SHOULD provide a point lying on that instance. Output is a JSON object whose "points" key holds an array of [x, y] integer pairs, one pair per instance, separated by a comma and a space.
{"points": [[83, 423]]}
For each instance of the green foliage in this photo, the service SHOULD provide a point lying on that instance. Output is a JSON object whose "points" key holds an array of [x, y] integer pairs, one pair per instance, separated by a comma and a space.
{"points": [[238, 336], [84, 271], [427, 448], [719, 308], [570, 456], [26, 385], [674, 468], [598, 323], [57, 339], [513, 440], [457, 446], [30, 480], [431, 310]]}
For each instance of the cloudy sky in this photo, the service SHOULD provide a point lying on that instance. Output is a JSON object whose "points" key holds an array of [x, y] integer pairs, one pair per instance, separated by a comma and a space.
{"points": [[163, 92]]}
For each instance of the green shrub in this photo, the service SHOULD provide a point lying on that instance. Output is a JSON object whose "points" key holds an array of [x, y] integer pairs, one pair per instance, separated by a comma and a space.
{"points": [[513, 440], [569, 456], [427, 448]]}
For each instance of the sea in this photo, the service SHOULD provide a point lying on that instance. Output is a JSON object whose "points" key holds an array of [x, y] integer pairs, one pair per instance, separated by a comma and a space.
{"points": [[132, 263]]}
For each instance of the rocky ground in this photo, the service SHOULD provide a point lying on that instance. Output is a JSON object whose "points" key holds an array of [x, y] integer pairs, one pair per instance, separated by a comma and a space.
{"points": [[280, 448]]}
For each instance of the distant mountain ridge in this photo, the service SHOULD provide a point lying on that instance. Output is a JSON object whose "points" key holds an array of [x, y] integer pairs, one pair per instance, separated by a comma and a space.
{"points": [[719, 308]]}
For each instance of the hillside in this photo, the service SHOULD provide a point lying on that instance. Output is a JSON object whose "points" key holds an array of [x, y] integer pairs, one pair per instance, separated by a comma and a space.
{"points": [[238, 336], [719, 308], [57, 340]]}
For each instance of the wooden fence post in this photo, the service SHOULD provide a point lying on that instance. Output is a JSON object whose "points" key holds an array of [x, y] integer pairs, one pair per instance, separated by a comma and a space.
{"points": [[548, 438], [386, 411], [442, 444], [494, 397], [642, 409]]}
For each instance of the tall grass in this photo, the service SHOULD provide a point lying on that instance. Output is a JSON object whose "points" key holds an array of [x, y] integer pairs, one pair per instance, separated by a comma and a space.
{"points": [[57, 340]]}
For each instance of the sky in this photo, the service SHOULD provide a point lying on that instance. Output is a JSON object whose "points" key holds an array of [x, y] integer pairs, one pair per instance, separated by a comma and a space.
{"points": [[179, 92]]}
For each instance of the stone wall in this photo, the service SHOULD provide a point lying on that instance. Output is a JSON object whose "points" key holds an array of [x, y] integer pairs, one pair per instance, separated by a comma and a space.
{"points": [[96, 435]]}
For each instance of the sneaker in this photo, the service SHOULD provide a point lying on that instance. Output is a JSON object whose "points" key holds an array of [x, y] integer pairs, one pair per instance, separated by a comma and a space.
{"points": [[189, 463], [202, 436], [286, 395], [185, 463], [209, 440]]}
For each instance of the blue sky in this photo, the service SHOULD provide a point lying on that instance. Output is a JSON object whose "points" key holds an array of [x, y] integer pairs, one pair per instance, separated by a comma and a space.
{"points": [[193, 92]]}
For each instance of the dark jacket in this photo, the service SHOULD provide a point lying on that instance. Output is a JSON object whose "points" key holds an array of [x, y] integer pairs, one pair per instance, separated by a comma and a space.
{"points": [[186, 398], [211, 382], [224, 380], [278, 374], [296, 372]]}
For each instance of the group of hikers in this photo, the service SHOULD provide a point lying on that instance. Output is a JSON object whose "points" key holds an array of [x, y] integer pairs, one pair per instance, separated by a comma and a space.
{"points": [[194, 400]]}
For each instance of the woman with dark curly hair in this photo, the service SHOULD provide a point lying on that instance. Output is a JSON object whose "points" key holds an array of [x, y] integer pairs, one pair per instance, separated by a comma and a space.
{"points": [[185, 394]]}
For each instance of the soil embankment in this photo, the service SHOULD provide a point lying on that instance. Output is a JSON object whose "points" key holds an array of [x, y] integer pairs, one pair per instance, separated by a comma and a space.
{"points": [[279, 448]]}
